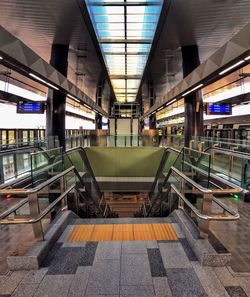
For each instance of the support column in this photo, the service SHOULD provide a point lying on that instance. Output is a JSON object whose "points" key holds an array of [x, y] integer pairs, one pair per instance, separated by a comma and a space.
{"points": [[99, 91], [152, 118], [193, 103], [56, 100]]}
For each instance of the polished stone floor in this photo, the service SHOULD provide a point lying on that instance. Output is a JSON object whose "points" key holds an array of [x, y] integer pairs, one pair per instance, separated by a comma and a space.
{"points": [[124, 268], [235, 236]]}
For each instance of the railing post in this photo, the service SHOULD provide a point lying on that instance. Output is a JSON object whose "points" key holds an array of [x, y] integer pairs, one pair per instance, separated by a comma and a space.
{"points": [[34, 212], [206, 209]]}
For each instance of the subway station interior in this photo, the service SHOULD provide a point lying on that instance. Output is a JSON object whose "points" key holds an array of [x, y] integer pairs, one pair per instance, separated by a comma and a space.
{"points": [[124, 148]]}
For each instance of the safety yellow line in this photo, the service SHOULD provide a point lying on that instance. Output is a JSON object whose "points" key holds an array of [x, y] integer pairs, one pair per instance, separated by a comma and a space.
{"points": [[103, 232]]}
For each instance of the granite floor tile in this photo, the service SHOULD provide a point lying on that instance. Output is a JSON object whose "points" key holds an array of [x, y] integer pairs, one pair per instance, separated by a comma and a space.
{"points": [[74, 244], [108, 250], [236, 291], [161, 287], [135, 270], [209, 280], [152, 244], [134, 247], [188, 250], [137, 291], [89, 254], [104, 278], [47, 261], [24, 290], [173, 255], [66, 261], [156, 264], [183, 282], [79, 283], [34, 277], [178, 230], [54, 286], [4, 295], [101, 295], [66, 233]]}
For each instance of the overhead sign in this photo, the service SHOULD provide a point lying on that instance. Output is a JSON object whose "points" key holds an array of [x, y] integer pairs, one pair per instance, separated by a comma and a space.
{"points": [[30, 107], [219, 109]]}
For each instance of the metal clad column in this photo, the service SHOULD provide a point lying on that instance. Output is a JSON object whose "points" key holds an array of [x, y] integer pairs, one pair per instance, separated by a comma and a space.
{"points": [[193, 124], [56, 101]]}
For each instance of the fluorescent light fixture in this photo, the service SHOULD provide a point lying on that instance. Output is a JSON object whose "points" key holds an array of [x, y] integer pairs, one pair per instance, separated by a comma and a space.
{"points": [[247, 58], [153, 112], [192, 90], [231, 67], [160, 108], [43, 81], [170, 102], [1, 58], [74, 98]]}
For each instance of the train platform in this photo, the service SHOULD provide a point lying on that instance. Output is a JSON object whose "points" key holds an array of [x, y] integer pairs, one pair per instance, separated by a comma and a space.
{"points": [[143, 268]]}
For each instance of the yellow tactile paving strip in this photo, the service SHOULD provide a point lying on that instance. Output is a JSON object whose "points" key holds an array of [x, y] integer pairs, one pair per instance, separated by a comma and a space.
{"points": [[122, 232]]}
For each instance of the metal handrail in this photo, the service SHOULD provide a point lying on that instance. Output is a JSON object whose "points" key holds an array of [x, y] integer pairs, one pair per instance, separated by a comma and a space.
{"points": [[189, 180], [41, 215], [39, 187], [234, 215], [13, 208]]}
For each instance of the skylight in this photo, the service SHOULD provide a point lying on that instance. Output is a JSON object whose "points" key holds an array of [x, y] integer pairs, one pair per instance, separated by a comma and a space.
{"points": [[125, 30]]}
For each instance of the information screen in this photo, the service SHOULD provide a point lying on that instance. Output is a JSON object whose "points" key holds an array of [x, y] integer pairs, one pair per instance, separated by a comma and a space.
{"points": [[219, 109], [30, 107]]}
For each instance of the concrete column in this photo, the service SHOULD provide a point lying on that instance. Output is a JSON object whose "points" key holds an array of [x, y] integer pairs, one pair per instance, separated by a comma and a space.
{"points": [[56, 100], [193, 125]]}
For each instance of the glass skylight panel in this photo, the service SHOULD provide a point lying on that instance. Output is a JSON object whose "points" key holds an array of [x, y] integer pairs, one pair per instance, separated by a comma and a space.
{"points": [[116, 21]]}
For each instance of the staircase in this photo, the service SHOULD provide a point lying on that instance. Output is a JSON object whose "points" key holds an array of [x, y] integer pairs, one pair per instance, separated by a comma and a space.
{"points": [[125, 204]]}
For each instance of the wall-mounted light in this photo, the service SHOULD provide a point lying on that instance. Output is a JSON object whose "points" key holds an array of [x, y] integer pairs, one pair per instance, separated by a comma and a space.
{"points": [[190, 91], [1, 58], [43, 81], [74, 98], [231, 67], [247, 58]]}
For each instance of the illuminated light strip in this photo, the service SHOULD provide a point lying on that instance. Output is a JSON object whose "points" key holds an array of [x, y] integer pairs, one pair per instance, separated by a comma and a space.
{"points": [[74, 98], [170, 102], [231, 67], [1, 58], [43, 81], [192, 90], [160, 108], [247, 58]]}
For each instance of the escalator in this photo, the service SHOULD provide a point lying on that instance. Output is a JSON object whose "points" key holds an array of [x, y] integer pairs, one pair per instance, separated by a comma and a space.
{"points": [[91, 198]]}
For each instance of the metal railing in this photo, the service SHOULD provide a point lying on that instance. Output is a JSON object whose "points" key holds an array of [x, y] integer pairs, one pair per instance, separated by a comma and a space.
{"points": [[205, 215], [36, 216]]}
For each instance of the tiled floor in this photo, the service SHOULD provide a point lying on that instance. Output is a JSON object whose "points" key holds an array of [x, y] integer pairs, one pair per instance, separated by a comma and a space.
{"points": [[123, 268], [235, 236]]}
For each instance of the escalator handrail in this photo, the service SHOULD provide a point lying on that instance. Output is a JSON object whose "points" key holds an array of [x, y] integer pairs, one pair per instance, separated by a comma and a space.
{"points": [[230, 152]]}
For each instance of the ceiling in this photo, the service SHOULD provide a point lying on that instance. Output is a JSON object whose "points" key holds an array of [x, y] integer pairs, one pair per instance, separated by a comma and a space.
{"points": [[207, 23], [39, 24]]}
